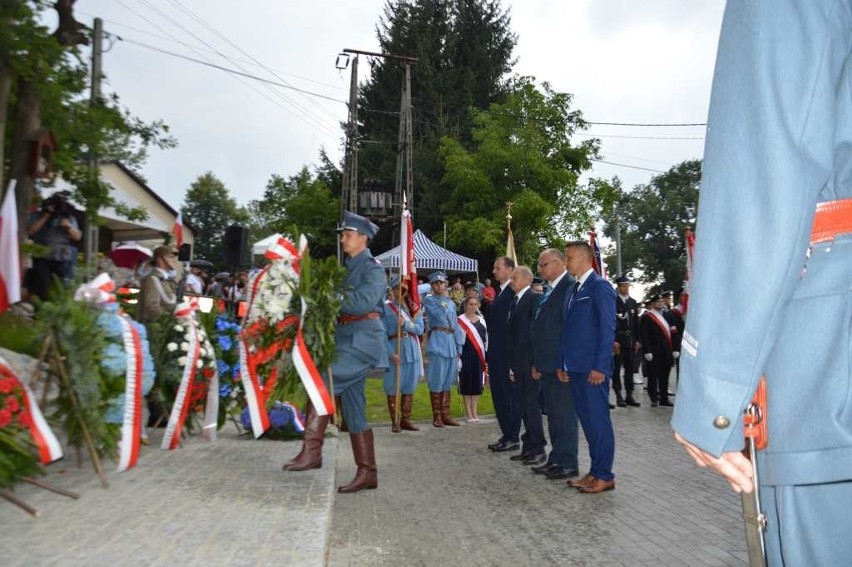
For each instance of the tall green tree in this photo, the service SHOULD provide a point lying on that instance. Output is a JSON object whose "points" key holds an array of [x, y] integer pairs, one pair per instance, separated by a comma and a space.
{"points": [[302, 203], [653, 220], [465, 54], [523, 154], [210, 209], [44, 82]]}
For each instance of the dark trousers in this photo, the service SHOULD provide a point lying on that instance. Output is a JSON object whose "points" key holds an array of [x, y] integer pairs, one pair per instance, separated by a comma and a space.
{"points": [[504, 394], [529, 392], [658, 380], [592, 403], [42, 276], [623, 362], [561, 421]]}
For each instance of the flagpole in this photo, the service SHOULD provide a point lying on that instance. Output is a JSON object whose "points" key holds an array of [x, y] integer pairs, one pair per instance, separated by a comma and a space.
{"points": [[398, 363]]}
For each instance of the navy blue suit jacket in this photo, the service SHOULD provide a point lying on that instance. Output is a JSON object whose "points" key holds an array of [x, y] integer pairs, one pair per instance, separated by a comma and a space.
{"points": [[547, 329], [520, 335], [589, 327], [498, 330]]}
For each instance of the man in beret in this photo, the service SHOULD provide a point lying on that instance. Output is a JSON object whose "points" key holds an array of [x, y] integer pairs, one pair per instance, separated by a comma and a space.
{"points": [[444, 348], [360, 343], [659, 351]]}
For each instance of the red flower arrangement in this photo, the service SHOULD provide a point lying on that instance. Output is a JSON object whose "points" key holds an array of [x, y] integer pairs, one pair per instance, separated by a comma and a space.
{"points": [[13, 409]]}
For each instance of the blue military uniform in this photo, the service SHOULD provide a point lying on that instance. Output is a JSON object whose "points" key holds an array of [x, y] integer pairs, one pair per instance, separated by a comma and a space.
{"points": [[411, 361], [446, 340], [764, 300], [360, 346]]}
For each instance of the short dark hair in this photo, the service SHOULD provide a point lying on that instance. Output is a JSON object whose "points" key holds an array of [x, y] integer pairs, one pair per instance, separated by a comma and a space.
{"points": [[507, 261], [587, 250]]}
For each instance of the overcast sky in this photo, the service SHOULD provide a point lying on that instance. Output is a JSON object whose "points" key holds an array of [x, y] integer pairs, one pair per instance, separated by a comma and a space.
{"points": [[624, 61]]}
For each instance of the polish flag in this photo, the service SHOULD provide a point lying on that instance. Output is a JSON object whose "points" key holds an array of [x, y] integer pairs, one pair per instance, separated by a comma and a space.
{"points": [[10, 261], [177, 230], [408, 264]]}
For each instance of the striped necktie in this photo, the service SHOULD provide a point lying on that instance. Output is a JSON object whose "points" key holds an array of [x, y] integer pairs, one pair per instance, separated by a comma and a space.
{"points": [[542, 300]]}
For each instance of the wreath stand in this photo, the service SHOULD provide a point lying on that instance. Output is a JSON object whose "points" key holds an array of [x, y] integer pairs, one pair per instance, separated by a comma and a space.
{"points": [[50, 353], [8, 495]]}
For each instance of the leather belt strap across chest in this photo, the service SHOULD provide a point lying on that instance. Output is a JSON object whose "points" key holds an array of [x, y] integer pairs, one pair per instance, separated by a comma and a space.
{"points": [[831, 219], [347, 319]]}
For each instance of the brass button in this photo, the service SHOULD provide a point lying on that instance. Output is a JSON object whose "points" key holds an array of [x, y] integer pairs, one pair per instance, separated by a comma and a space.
{"points": [[721, 422]]}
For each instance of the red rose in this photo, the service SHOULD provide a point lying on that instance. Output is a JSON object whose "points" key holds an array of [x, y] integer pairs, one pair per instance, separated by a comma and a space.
{"points": [[25, 419], [5, 417], [7, 385], [12, 404], [207, 372]]}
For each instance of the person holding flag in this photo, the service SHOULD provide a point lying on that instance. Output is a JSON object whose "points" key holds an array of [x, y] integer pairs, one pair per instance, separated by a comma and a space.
{"points": [[403, 331]]}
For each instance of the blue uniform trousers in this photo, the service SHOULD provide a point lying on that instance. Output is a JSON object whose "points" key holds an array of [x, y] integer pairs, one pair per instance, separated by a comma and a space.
{"points": [[561, 421], [409, 373], [442, 373], [349, 384], [529, 394], [592, 404]]}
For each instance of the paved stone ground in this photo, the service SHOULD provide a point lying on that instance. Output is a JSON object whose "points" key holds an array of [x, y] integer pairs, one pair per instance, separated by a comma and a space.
{"points": [[445, 499], [225, 503]]}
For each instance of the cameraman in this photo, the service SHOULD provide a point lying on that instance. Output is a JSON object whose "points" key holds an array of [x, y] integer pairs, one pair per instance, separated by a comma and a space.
{"points": [[53, 226]]}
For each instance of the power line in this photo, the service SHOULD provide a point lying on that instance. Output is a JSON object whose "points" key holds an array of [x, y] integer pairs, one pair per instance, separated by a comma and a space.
{"points": [[646, 124], [629, 166], [592, 135], [228, 69]]}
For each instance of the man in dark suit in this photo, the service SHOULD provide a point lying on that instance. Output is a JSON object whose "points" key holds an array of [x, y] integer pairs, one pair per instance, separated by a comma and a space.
{"points": [[520, 367], [626, 342], [546, 329], [588, 334], [498, 361], [659, 350]]}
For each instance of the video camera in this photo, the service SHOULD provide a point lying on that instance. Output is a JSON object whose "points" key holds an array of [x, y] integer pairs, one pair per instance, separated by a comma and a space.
{"points": [[58, 204]]}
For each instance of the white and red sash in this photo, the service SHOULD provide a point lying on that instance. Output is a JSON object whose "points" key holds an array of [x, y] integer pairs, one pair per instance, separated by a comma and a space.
{"points": [[45, 441], [661, 322], [396, 310], [478, 345], [131, 426]]}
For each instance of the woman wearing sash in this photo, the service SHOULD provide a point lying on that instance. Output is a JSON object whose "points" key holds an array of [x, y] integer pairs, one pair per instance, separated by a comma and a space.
{"points": [[400, 325], [473, 371]]}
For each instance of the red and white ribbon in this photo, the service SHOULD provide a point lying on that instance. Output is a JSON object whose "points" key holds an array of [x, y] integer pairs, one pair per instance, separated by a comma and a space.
{"points": [[478, 345], [99, 290], [322, 401], [131, 427], [177, 417], [48, 446], [255, 399]]}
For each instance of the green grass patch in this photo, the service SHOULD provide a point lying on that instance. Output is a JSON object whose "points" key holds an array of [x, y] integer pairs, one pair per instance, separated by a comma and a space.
{"points": [[377, 403]]}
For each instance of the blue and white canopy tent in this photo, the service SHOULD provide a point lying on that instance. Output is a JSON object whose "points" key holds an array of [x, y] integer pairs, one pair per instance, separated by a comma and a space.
{"points": [[430, 257]]}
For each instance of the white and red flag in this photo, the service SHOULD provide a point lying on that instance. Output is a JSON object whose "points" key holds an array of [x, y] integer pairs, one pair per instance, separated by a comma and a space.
{"points": [[177, 230], [690, 250], [10, 261], [408, 264], [597, 260]]}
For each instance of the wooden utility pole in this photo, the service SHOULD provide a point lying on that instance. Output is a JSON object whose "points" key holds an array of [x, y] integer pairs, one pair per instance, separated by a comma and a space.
{"points": [[90, 236], [349, 196]]}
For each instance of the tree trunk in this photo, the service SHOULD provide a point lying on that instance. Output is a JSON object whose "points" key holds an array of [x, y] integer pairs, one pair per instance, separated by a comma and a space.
{"points": [[5, 89], [26, 119]]}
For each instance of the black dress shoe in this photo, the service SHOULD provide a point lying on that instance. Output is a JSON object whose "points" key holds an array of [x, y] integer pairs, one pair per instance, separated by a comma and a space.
{"points": [[539, 459], [611, 406], [493, 446], [621, 403], [654, 403], [561, 473], [667, 404], [507, 446], [632, 403], [544, 469], [521, 457]]}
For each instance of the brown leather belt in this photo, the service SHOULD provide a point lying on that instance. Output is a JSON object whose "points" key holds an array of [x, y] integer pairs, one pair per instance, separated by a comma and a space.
{"points": [[347, 319], [448, 330], [831, 218], [403, 335]]}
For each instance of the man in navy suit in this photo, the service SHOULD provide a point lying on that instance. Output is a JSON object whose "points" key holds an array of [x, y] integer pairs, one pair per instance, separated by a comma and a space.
{"points": [[520, 367], [546, 361], [588, 335], [498, 360]]}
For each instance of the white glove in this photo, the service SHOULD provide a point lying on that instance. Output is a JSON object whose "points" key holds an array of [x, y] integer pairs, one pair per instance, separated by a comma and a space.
{"points": [[459, 364], [676, 355], [649, 357]]}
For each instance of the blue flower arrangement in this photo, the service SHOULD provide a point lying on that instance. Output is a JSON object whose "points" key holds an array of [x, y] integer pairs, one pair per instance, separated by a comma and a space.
{"points": [[285, 421]]}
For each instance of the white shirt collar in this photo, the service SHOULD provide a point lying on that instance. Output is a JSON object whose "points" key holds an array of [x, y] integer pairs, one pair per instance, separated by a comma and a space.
{"points": [[584, 277], [555, 282], [521, 293], [503, 286]]}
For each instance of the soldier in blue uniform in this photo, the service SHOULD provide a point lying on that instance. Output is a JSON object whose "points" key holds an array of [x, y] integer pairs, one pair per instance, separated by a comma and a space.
{"points": [[401, 327], [770, 292], [444, 348], [360, 343]]}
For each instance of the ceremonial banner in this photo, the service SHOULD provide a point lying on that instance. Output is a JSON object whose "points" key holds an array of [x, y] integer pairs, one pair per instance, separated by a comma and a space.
{"points": [[408, 265], [177, 230], [597, 262], [10, 261], [690, 250]]}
